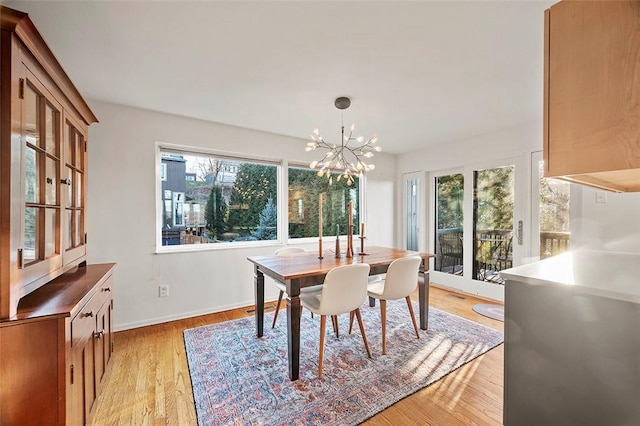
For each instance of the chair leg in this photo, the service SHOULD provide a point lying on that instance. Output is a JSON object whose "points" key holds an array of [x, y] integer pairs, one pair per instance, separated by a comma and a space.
{"points": [[351, 316], [275, 315], [364, 336], [323, 326], [383, 319], [413, 317], [334, 321]]}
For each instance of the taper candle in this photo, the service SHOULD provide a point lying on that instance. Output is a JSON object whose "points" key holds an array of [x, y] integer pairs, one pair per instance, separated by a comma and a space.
{"points": [[320, 226], [362, 229], [320, 215], [350, 231]]}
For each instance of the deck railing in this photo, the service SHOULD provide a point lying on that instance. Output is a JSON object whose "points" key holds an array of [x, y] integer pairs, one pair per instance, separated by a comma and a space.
{"points": [[553, 243], [494, 251]]}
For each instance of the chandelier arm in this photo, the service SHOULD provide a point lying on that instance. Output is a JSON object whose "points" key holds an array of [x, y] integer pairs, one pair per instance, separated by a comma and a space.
{"points": [[324, 145]]}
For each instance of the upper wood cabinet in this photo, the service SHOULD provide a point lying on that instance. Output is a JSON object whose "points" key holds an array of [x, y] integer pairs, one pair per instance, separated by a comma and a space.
{"points": [[44, 125], [592, 93]]}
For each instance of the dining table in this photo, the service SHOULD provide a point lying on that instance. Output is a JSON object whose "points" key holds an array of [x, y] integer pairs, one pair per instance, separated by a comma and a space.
{"points": [[307, 269]]}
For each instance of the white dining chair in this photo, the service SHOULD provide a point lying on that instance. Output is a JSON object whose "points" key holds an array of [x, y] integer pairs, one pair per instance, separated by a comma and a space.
{"points": [[283, 289], [344, 291], [401, 280]]}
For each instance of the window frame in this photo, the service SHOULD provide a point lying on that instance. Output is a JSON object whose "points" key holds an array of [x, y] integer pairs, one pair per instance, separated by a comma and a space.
{"points": [[166, 147]]}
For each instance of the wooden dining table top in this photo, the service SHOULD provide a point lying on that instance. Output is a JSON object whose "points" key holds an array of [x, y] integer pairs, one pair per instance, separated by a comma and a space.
{"points": [[307, 264]]}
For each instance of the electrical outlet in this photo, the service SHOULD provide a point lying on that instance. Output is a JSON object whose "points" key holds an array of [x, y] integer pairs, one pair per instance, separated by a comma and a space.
{"points": [[163, 290]]}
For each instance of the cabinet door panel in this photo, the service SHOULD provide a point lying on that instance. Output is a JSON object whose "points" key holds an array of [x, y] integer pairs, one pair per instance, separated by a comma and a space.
{"points": [[102, 343], [592, 130], [40, 244], [74, 174], [29, 368]]}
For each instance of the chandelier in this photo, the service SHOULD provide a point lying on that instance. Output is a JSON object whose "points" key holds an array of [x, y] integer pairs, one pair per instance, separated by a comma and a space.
{"points": [[346, 159]]}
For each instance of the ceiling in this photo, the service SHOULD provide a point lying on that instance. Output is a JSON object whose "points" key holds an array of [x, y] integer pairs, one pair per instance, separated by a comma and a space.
{"points": [[417, 73]]}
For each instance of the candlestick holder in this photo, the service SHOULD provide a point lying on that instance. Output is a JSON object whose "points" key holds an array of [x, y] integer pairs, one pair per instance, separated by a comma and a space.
{"points": [[362, 253], [320, 248], [337, 247], [349, 246]]}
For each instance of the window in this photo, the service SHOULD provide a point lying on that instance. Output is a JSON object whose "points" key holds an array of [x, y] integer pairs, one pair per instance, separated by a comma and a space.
{"points": [[209, 199], [303, 192], [449, 193]]}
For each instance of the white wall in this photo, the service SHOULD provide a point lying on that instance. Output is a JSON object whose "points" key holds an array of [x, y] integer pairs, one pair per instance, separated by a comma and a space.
{"points": [[613, 225], [122, 216]]}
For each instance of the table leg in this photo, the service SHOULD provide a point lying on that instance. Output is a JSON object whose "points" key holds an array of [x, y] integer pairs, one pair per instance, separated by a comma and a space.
{"points": [[258, 281], [294, 311], [423, 295]]}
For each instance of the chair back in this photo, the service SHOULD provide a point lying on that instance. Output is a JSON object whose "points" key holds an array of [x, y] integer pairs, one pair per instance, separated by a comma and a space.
{"points": [[345, 289], [289, 250], [402, 278]]}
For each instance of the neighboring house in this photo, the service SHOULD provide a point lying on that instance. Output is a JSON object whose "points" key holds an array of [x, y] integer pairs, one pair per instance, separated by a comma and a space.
{"points": [[173, 171]]}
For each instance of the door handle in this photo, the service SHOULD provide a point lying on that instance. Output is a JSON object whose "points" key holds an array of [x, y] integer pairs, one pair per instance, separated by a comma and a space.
{"points": [[519, 232]]}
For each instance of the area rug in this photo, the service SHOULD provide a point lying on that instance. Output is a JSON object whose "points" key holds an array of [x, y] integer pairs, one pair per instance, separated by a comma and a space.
{"points": [[239, 379], [490, 310]]}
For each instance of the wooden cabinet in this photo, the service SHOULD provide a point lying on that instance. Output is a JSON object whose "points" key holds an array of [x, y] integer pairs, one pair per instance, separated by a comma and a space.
{"points": [[591, 93], [55, 311], [43, 141], [54, 353], [91, 349]]}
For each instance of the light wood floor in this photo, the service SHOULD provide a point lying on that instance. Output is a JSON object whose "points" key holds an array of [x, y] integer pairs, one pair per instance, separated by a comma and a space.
{"points": [[148, 381]]}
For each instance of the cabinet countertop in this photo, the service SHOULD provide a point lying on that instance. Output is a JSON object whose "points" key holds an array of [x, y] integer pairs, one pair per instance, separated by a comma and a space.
{"points": [[612, 275], [58, 297]]}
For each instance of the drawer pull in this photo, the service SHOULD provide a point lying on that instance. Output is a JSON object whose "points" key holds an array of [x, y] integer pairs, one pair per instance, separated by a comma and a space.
{"points": [[88, 314], [98, 334], [106, 289]]}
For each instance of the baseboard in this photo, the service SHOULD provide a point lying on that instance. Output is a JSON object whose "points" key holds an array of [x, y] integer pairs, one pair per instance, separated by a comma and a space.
{"points": [[181, 316], [458, 291]]}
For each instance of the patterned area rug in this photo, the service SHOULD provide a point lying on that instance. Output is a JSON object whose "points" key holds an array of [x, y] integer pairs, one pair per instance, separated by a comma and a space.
{"points": [[239, 379], [490, 310]]}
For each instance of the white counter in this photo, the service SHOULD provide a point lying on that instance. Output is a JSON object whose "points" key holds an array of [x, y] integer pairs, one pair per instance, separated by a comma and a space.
{"points": [[605, 274]]}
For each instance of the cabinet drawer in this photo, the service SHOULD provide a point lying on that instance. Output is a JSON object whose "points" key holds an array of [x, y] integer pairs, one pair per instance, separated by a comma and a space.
{"points": [[84, 324], [104, 293]]}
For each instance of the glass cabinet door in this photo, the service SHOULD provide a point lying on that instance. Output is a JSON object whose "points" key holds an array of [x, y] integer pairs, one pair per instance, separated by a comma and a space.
{"points": [[73, 180], [41, 174]]}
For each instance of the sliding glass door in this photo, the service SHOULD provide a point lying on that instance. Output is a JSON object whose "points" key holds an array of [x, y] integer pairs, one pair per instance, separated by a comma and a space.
{"points": [[493, 204], [449, 214], [477, 225]]}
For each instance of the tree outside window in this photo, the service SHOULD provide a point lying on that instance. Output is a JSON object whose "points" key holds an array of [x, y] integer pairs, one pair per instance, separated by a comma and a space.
{"points": [[305, 186], [207, 200]]}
